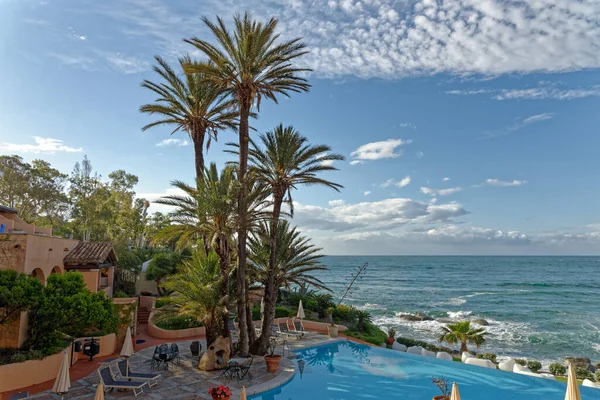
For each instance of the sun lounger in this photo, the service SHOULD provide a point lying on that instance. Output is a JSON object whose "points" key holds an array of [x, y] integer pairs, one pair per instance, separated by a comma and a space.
{"points": [[126, 373], [284, 328], [110, 383], [507, 365], [299, 326], [442, 355], [20, 395]]}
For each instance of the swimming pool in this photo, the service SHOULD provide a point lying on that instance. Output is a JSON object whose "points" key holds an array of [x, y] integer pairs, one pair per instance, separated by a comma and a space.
{"points": [[351, 371]]}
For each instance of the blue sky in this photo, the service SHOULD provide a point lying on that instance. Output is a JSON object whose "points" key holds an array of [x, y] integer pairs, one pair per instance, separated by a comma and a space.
{"points": [[469, 126]]}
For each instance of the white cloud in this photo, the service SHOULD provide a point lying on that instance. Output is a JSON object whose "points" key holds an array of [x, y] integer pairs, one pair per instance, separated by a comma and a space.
{"points": [[401, 183], [391, 39], [41, 146], [548, 92], [519, 124], [440, 192], [446, 179], [408, 125], [378, 150], [420, 154], [173, 142], [356, 162], [497, 182], [384, 214], [126, 64], [367, 192], [78, 61]]}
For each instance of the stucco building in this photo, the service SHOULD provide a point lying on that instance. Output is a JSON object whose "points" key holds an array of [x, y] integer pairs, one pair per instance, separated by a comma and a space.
{"points": [[32, 250]]}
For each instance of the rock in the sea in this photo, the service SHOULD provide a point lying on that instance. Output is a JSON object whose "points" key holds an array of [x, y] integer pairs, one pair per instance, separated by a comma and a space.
{"points": [[480, 321], [416, 317], [580, 362]]}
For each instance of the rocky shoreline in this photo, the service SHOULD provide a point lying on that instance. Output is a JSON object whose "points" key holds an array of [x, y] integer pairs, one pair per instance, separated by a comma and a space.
{"points": [[576, 361]]}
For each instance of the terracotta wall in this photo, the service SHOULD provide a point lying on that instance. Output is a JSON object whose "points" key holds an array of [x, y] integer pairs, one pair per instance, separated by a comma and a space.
{"points": [[311, 325], [92, 279], [19, 375], [40, 256], [13, 252], [147, 302], [9, 333]]}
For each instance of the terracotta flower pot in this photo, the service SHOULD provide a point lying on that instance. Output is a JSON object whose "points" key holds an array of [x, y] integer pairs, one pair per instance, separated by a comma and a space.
{"points": [[441, 398], [273, 362], [222, 398], [332, 330], [390, 340]]}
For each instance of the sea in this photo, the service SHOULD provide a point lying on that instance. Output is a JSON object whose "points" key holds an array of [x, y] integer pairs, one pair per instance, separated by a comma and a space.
{"points": [[541, 308]]}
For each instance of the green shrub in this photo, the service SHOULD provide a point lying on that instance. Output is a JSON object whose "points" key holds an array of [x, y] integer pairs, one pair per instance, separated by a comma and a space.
{"points": [[521, 361], [597, 376], [18, 358], [283, 312], [160, 303], [534, 366], [256, 313], [121, 294], [557, 369], [179, 322], [488, 356], [371, 334], [344, 314], [583, 373], [35, 355]]}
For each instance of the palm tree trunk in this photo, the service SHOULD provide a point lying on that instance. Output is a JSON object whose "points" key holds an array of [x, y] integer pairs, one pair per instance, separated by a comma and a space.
{"points": [[249, 321], [211, 331], [463, 347], [223, 253], [197, 136], [270, 287], [245, 103]]}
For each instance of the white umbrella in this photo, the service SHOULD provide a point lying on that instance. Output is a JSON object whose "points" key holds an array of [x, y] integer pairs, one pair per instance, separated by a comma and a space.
{"points": [[572, 388], [455, 395], [63, 381], [243, 393], [300, 311], [127, 350], [262, 306], [99, 392]]}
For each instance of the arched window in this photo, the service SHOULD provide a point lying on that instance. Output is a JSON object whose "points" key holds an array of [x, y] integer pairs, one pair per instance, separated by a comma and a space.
{"points": [[39, 274]]}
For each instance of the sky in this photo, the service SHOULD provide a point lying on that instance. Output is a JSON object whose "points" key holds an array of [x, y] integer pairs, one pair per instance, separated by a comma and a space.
{"points": [[468, 126]]}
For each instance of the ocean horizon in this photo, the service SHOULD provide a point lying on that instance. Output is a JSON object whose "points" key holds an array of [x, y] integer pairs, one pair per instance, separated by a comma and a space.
{"points": [[538, 307]]}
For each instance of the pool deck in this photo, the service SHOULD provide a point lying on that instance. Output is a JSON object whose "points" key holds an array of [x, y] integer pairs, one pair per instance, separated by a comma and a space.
{"points": [[187, 382]]}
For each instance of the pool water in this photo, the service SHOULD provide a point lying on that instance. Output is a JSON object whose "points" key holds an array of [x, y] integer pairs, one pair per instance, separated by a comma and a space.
{"points": [[351, 371]]}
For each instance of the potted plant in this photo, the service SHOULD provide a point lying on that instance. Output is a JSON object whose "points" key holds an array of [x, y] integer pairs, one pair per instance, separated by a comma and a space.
{"points": [[332, 329], [220, 393], [442, 384], [391, 336], [272, 360]]}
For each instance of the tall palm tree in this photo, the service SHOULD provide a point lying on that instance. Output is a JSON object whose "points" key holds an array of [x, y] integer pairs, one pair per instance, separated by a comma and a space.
{"points": [[209, 211], [248, 64], [190, 104], [296, 259], [463, 333], [197, 292], [285, 160]]}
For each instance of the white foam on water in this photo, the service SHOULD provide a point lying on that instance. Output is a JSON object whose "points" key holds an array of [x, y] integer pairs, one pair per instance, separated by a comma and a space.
{"points": [[371, 306], [477, 294], [458, 315], [454, 301]]}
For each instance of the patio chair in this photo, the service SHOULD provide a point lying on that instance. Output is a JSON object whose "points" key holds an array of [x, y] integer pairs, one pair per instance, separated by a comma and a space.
{"points": [[244, 369], [20, 395], [300, 328], [175, 353], [127, 373], [284, 329], [110, 383]]}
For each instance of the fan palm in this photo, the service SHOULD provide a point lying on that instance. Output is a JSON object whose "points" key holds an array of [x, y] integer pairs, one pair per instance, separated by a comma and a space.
{"points": [[285, 160], [463, 333], [362, 317], [209, 212], [197, 293], [248, 64], [189, 104]]}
